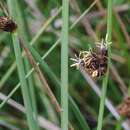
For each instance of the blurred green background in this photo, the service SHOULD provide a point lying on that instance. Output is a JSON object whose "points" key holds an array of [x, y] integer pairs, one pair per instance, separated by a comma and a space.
{"points": [[90, 29]]}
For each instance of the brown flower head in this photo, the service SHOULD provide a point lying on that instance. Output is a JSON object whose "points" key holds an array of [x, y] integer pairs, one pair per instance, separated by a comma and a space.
{"points": [[95, 64], [6, 24]]}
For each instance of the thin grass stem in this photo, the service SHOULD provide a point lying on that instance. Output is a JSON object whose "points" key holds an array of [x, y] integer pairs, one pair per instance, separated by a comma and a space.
{"points": [[105, 80], [64, 65], [83, 14]]}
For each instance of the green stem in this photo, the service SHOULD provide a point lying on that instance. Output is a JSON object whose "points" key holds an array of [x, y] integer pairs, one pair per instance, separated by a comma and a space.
{"points": [[64, 65], [27, 101], [23, 31], [105, 81], [102, 102]]}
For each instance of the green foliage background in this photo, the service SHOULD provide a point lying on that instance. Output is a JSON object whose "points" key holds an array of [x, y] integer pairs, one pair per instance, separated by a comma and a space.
{"points": [[90, 29]]}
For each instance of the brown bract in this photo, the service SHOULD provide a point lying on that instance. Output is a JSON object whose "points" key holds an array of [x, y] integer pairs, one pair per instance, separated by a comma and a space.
{"points": [[6, 24]]}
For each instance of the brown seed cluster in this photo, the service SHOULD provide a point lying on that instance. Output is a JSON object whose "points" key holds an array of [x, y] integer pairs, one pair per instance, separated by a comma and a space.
{"points": [[95, 64], [124, 108], [6, 24]]}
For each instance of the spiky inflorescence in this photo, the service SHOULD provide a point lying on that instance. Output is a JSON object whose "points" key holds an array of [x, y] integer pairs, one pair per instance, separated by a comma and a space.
{"points": [[93, 63]]}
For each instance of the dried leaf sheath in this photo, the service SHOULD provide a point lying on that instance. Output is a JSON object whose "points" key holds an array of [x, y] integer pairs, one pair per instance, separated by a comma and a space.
{"points": [[6, 24]]}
